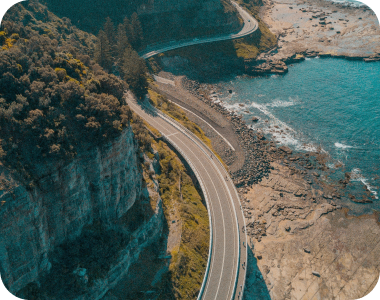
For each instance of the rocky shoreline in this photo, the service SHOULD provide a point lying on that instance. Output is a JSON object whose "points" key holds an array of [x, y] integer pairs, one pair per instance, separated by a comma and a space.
{"points": [[295, 222], [320, 28], [307, 29], [302, 242]]}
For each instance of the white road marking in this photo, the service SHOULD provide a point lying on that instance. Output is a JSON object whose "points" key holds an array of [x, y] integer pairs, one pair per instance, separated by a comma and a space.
{"points": [[225, 187]]}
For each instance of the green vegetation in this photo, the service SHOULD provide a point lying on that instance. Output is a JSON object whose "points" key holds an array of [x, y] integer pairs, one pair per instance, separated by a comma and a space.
{"points": [[178, 194], [189, 259], [219, 54], [114, 53], [159, 21], [260, 41], [179, 115], [54, 100]]}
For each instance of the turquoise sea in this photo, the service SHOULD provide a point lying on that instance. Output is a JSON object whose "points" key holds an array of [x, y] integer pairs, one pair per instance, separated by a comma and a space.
{"points": [[330, 104]]}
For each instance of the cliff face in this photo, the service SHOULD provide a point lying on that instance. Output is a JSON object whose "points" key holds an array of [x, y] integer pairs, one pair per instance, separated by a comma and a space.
{"points": [[161, 19], [102, 186], [166, 20]]}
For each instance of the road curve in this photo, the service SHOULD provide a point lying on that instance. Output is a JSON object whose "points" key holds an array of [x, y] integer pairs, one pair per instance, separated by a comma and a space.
{"points": [[225, 272], [250, 26]]}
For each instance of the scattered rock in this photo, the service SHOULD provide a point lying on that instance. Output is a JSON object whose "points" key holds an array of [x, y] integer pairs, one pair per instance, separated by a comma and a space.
{"points": [[316, 274], [285, 149], [269, 67]]}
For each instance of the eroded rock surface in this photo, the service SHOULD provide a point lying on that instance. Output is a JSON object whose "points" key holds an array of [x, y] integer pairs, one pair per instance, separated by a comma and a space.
{"points": [[99, 186], [303, 245]]}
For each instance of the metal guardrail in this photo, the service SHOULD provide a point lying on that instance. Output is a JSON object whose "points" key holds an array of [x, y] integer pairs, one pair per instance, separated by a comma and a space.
{"points": [[155, 47], [199, 178], [192, 136]]}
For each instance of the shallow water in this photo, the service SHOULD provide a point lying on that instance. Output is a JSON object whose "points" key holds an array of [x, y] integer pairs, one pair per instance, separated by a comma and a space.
{"points": [[332, 104]]}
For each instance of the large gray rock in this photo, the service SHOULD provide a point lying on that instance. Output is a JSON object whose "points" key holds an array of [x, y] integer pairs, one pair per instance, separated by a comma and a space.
{"points": [[100, 184]]}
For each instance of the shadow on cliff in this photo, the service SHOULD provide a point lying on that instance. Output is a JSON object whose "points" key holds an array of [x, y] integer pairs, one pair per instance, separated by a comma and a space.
{"points": [[255, 287], [212, 62]]}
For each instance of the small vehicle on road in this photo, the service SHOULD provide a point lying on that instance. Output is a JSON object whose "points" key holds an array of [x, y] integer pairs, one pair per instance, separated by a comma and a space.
{"points": [[194, 40]]}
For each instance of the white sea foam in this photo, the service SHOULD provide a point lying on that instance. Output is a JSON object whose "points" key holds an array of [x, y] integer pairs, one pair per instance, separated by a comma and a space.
{"points": [[356, 175], [284, 134], [342, 146], [280, 103]]}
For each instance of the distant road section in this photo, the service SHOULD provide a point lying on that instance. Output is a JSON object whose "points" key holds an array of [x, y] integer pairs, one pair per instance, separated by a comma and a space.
{"points": [[250, 26]]}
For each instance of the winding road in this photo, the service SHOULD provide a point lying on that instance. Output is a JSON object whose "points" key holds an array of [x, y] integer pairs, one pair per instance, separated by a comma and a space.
{"points": [[225, 274], [226, 267], [250, 26]]}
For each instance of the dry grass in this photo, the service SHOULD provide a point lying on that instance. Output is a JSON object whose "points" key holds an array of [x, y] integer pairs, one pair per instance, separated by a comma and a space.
{"points": [[189, 259], [179, 115]]}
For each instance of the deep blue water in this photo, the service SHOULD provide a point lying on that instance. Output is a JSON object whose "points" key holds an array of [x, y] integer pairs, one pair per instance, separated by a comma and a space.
{"points": [[332, 104]]}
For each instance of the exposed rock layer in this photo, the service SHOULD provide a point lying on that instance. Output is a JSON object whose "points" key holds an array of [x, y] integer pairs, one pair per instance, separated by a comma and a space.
{"points": [[99, 185]]}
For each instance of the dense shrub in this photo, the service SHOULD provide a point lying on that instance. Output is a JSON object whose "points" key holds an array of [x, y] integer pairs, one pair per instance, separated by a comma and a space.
{"points": [[54, 99]]}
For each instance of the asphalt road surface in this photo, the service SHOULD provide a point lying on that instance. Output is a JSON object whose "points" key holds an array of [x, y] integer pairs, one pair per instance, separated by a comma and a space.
{"points": [[226, 270], [250, 25]]}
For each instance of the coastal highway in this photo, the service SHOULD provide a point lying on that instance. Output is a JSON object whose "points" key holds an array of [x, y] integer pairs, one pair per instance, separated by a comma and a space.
{"points": [[226, 267], [250, 26]]}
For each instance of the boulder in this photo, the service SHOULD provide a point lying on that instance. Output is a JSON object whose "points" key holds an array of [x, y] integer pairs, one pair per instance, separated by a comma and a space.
{"points": [[285, 149]]}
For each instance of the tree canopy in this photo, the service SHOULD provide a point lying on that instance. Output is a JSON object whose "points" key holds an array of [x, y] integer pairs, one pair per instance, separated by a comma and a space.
{"points": [[54, 100]]}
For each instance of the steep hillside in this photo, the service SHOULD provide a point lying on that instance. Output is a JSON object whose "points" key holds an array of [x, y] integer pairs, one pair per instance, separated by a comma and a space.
{"points": [[80, 182], [161, 19]]}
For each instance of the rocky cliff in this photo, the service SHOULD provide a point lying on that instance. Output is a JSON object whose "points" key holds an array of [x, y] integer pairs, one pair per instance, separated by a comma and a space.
{"points": [[165, 20], [161, 19], [85, 223]]}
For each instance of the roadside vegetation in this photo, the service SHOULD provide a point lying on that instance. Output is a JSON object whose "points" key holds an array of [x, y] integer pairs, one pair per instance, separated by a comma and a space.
{"points": [[261, 40], [61, 89], [161, 23], [172, 110], [218, 55], [181, 199], [189, 258]]}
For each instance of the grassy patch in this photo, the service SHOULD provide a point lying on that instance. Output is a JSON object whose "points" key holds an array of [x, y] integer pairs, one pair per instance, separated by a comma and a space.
{"points": [[179, 115], [189, 260]]}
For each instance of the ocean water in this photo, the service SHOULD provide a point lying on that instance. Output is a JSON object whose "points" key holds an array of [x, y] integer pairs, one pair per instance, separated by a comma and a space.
{"points": [[328, 104]]}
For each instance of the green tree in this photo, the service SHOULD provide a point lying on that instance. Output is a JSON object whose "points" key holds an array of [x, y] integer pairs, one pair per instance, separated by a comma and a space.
{"points": [[133, 71], [137, 31], [109, 30], [122, 41], [103, 51]]}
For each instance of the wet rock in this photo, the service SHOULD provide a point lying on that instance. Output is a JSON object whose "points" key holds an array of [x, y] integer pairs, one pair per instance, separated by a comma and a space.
{"points": [[270, 67], [316, 274], [285, 149]]}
